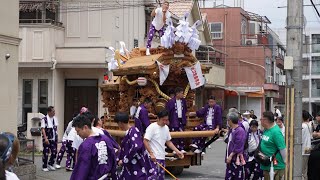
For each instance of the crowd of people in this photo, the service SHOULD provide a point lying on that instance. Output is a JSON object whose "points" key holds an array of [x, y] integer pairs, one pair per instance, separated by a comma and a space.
{"points": [[141, 154], [255, 149]]}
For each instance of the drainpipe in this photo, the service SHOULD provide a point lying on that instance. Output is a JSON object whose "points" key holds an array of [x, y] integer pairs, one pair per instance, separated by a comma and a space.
{"points": [[310, 82], [53, 68]]}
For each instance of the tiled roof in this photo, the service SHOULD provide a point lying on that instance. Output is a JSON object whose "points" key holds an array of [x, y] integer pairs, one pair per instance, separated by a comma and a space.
{"points": [[180, 7]]}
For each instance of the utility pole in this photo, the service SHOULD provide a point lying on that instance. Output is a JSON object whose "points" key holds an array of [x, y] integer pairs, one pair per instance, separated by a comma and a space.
{"points": [[295, 24]]}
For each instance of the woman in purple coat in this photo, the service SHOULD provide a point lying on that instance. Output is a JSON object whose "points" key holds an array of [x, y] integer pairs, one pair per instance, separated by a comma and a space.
{"points": [[133, 156], [236, 141], [96, 157]]}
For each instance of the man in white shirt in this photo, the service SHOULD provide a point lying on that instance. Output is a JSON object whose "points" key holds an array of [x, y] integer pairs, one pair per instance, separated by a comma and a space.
{"points": [[156, 137], [281, 126], [49, 125], [177, 109], [306, 143], [160, 15]]}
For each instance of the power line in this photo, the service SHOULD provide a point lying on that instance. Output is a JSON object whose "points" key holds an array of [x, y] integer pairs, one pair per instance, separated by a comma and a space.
{"points": [[314, 6]]}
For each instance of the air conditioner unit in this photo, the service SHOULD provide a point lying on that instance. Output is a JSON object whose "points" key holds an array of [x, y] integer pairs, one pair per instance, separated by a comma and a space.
{"points": [[251, 42]]}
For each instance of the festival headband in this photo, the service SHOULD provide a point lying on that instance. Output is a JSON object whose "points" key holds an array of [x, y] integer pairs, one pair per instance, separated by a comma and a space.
{"points": [[6, 154]]}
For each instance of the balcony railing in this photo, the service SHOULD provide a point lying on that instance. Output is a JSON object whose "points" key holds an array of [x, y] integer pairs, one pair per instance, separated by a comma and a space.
{"points": [[40, 21], [209, 57]]}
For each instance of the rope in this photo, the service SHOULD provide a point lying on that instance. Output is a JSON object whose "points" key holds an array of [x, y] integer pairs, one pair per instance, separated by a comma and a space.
{"points": [[186, 90], [158, 89], [167, 171], [129, 82]]}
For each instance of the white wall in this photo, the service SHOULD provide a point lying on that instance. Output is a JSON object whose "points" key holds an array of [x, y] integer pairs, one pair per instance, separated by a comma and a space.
{"points": [[39, 42], [9, 20], [58, 98], [9, 17], [105, 26]]}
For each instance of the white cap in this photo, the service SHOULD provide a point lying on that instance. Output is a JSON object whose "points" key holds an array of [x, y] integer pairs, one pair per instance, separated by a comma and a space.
{"points": [[246, 113]]}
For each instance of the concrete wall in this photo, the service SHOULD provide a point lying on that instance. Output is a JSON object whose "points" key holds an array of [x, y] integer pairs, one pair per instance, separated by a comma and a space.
{"points": [[39, 42], [243, 74], [105, 26], [9, 17], [9, 20], [216, 76], [58, 97]]}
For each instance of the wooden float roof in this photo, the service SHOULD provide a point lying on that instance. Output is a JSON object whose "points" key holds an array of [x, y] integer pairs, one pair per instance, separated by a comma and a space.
{"points": [[138, 65]]}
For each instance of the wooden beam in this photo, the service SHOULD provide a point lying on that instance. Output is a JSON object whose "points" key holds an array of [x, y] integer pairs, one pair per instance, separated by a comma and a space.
{"points": [[184, 134]]}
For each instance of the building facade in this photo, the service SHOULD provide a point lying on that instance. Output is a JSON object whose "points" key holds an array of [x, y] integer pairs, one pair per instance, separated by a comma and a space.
{"points": [[254, 66], [9, 55], [311, 71]]}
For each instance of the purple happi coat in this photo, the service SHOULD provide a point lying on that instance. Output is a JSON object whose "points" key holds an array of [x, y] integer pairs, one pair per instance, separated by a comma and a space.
{"points": [[115, 145], [141, 119], [136, 162], [96, 158], [236, 143], [216, 115], [171, 107]]}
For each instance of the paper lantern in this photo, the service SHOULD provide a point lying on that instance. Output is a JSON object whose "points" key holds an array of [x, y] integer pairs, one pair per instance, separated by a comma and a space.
{"points": [[142, 81]]}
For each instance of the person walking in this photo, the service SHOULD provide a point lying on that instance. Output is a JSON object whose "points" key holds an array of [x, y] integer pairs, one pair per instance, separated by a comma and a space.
{"points": [[96, 157], [133, 157], [306, 143], [49, 126], [156, 137], [235, 146], [273, 144], [253, 140]]}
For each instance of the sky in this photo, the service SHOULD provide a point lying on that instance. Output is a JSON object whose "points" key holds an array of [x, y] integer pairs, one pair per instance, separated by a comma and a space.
{"points": [[276, 15]]}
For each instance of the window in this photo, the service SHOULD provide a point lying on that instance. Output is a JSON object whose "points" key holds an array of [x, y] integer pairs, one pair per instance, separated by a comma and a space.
{"points": [[26, 99], [135, 43], [252, 28], [315, 43], [216, 29], [269, 78], [43, 96]]}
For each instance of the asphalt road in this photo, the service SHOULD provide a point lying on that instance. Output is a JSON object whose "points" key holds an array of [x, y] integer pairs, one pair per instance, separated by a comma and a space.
{"points": [[213, 167]]}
